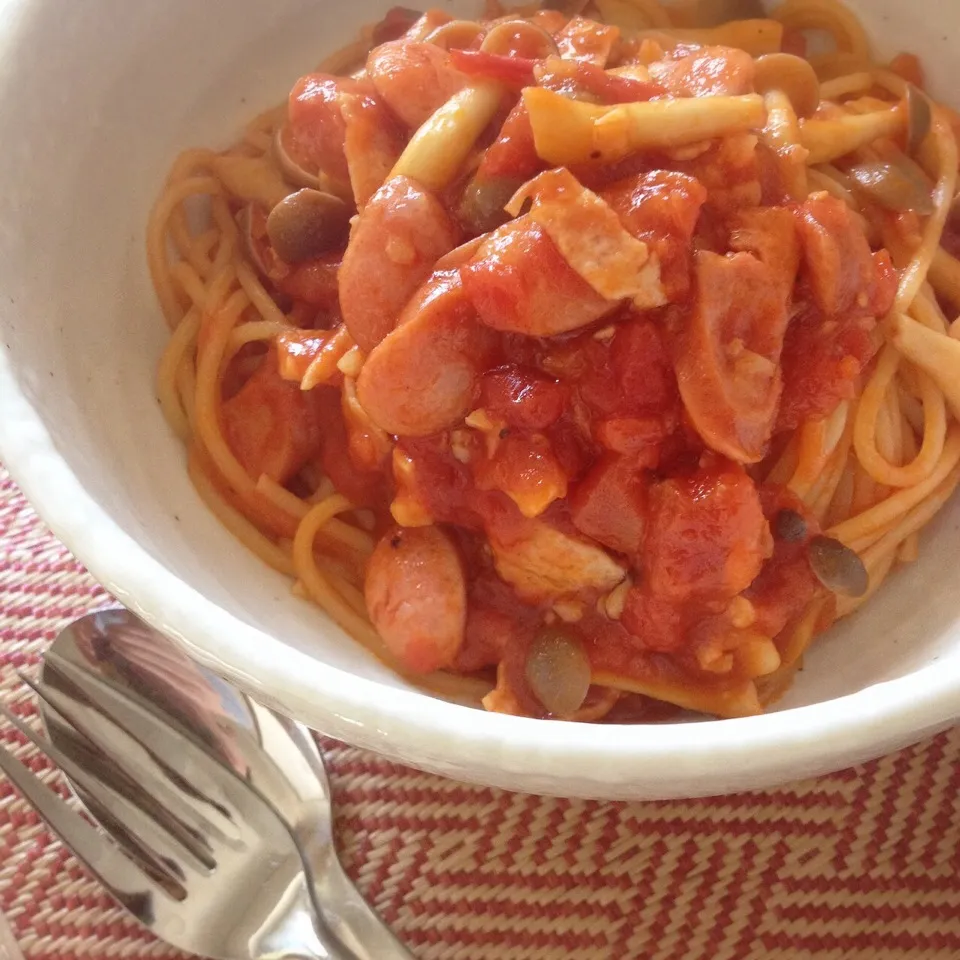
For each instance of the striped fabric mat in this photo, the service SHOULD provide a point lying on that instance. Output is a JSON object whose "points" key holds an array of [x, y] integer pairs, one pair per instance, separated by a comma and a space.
{"points": [[862, 865]]}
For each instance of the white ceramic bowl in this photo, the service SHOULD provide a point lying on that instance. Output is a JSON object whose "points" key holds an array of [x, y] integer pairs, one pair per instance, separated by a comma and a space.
{"points": [[96, 98]]}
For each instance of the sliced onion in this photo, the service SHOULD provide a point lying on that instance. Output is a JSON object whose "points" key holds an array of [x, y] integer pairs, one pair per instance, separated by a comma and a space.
{"points": [[838, 567], [456, 35], [482, 205], [251, 221], [519, 38], [895, 185], [307, 224], [558, 671], [292, 170]]}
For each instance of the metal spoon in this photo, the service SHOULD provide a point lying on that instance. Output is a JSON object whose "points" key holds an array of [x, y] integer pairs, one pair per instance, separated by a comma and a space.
{"points": [[274, 755]]}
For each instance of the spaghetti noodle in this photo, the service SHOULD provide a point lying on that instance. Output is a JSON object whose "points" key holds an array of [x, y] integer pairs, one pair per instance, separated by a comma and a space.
{"points": [[634, 369]]}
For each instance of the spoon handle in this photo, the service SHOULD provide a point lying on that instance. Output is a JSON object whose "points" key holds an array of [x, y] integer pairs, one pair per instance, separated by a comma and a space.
{"points": [[296, 932], [353, 921]]}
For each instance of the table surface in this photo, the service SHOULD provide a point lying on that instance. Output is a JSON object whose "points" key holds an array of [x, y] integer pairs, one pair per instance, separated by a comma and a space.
{"points": [[861, 864]]}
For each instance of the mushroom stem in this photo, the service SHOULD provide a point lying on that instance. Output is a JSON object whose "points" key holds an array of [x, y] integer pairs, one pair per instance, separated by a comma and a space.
{"points": [[829, 139], [794, 76]]}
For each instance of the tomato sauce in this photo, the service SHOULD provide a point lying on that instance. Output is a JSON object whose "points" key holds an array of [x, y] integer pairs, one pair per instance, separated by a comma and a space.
{"points": [[586, 461]]}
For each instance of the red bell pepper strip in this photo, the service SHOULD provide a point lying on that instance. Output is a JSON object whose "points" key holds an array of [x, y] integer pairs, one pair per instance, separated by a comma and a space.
{"points": [[511, 71]]}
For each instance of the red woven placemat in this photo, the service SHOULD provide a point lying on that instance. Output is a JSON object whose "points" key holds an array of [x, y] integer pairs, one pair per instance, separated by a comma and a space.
{"points": [[862, 864]]}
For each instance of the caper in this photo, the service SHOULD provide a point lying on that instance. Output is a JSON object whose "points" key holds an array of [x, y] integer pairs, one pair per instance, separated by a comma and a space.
{"points": [[838, 567], [558, 671], [919, 118], [789, 525], [307, 224], [481, 207]]}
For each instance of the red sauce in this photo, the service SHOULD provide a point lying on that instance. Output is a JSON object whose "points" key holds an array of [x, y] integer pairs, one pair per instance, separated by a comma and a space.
{"points": [[575, 441]]}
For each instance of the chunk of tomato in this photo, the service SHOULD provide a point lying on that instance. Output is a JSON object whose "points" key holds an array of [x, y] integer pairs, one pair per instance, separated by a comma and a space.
{"points": [[785, 586], [585, 39], [313, 282], [628, 375], [610, 504], [844, 276], [662, 208], [655, 622], [821, 363], [363, 488], [523, 397], [428, 475], [642, 368], [513, 154], [270, 424], [707, 537], [525, 468], [640, 438]]}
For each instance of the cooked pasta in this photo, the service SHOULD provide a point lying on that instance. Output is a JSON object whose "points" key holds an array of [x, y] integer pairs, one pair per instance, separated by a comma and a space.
{"points": [[582, 363]]}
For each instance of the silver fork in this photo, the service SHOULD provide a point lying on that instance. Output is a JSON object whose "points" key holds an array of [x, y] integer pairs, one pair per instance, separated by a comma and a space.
{"points": [[125, 686], [202, 861]]}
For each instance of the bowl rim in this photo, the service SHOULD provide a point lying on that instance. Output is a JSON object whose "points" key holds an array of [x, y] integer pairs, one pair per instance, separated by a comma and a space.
{"points": [[413, 726]]}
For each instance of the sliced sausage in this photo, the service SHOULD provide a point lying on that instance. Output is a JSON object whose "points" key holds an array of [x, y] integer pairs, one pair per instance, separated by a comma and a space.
{"points": [[414, 79], [424, 376], [397, 239], [416, 597], [519, 282]]}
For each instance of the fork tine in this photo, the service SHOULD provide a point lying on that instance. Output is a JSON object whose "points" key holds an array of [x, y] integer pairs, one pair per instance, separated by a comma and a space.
{"points": [[137, 819], [171, 856], [132, 888], [199, 817], [168, 742], [175, 748]]}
